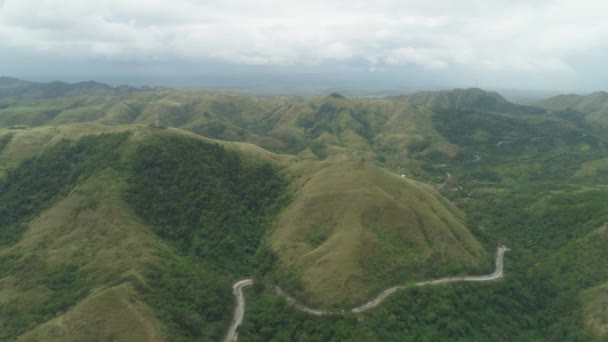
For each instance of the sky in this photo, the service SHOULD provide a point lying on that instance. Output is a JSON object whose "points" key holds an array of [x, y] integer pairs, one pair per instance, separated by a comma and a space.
{"points": [[408, 44]]}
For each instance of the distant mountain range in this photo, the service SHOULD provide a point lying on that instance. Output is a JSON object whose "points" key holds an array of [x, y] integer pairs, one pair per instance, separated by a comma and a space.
{"points": [[465, 99], [12, 87]]}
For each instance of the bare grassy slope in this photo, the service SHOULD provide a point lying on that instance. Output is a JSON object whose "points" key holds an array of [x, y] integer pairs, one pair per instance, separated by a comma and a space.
{"points": [[595, 310], [92, 229], [354, 229], [112, 314]]}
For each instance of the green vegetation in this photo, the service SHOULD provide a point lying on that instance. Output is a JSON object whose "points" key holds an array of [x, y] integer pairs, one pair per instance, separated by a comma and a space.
{"points": [[31, 187], [519, 308], [66, 285], [215, 209], [205, 199], [4, 140], [589, 109], [353, 230], [138, 234], [215, 199]]}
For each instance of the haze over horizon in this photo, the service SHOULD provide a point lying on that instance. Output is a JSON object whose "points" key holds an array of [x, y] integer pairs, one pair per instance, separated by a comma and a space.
{"points": [[545, 45]]}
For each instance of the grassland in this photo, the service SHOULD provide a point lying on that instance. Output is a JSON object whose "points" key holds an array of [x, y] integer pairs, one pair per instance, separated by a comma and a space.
{"points": [[354, 229]]}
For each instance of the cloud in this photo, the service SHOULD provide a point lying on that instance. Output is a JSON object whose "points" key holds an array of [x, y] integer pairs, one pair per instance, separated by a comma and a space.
{"points": [[493, 35]]}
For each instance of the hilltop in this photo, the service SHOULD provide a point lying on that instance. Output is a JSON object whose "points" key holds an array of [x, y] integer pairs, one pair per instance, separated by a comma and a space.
{"points": [[353, 230], [108, 222], [12, 87], [591, 109], [465, 99]]}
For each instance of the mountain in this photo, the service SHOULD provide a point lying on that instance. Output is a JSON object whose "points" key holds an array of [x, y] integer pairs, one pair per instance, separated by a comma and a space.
{"points": [[465, 99], [591, 109], [101, 232], [117, 227], [353, 230], [12, 87], [88, 249]]}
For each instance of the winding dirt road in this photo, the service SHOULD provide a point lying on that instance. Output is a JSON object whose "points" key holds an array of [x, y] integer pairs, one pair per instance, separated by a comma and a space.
{"points": [[239, 310]]}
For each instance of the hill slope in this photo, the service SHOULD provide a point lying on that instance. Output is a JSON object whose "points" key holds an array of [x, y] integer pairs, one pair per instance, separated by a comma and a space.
{"points": [[465, 99], [12, 87], [82, 256], [353, 230], [592, 108]]}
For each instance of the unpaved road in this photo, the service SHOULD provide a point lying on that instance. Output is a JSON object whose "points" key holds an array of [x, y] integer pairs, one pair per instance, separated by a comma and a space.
{"points": [[449, 179], [498, 272], [239, 311]]}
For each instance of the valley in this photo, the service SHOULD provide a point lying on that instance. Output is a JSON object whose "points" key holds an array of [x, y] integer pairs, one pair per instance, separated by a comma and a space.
{"points": [[116, 227]]}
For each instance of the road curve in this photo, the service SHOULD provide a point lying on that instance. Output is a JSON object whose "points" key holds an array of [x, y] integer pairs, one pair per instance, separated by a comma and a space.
{"points": [[239, 310], [498, 272]]}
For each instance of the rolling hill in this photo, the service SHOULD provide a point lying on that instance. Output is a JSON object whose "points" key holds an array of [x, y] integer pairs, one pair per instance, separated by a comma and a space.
{"points": [[353, 230], [12, 87], [465, 99], [111, 227], [591, 109]]}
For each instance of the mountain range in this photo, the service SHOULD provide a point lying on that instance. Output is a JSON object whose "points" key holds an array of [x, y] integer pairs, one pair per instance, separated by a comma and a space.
{"points": [[127, 213]]}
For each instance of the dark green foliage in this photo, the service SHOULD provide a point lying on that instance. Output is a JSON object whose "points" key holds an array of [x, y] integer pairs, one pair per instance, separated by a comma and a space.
{"points": [[31, 186], [213, 129], [418, 146], [5, 140], [519, 308], [69, 285], [321, 120], [215, 208], [66, 285], [365, 130], [540, 229], [26, 191], [319, 149], [193, 302], [205, 199], [317, 236]]}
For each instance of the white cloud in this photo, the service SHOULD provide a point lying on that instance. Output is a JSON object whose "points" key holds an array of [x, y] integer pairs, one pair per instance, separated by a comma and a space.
{"points": [[436, 35]]}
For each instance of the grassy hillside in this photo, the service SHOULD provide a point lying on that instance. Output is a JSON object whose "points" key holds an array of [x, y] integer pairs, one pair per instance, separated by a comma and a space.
{"points": [[465, 99], [354, 229], [591, 109], [333, 128], [74, 237], [595, 301], [149, 226]]}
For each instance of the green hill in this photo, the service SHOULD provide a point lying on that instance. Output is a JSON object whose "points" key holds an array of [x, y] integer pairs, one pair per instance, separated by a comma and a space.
{"points": [[465, 99], [591, 109], [353, 230], [12, 87], [111, 227], [80, 231]]}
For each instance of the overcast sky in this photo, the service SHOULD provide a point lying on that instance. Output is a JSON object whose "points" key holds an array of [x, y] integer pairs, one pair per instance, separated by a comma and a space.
{"points": [[536, 44]]}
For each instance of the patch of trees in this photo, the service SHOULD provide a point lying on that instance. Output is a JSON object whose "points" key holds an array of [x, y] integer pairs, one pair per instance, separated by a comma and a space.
{"points": [[517, 309], [192, 301], [215, 208], [205, 199], [5, 140], [36, 182]]}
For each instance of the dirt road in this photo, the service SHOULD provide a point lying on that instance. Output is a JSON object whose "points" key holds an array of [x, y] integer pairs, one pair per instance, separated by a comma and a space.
{"points": [[239, 310]]}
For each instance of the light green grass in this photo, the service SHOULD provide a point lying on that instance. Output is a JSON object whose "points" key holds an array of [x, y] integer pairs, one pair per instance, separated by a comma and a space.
{"points": [[379, 230]]}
